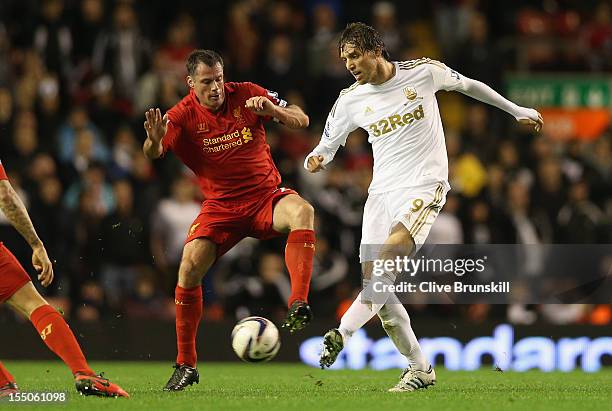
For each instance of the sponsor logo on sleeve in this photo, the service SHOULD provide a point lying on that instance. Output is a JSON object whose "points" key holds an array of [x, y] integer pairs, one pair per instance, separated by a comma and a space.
{"points": [[274, 96], [326, 132]]}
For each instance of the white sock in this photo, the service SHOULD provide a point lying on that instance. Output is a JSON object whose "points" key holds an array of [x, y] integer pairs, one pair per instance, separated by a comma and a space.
{"points": [[356, 316], [396, 322], [362, 311]]}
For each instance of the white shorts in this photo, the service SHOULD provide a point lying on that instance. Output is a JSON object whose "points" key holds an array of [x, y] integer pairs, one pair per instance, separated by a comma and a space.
{"points": [[416, 208]]}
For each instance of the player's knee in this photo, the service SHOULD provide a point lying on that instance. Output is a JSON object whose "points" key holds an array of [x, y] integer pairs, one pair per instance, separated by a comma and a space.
{"points": [[198, 256], [303, 215], [191, 271], [400, 241]]}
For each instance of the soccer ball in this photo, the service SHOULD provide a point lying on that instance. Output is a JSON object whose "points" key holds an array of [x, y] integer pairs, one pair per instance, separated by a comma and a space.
{"points": [[255, 339]]}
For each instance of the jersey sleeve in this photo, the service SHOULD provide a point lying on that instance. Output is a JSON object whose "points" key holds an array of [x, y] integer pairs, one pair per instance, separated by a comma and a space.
{"points": [[338, 125], [445, 78], [173, 131], [337, 128], [3, 175], [257, 90]]}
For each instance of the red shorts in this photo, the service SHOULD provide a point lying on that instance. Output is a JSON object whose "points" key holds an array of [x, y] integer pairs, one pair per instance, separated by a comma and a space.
{"points": [[12, 274], [225, 223]]}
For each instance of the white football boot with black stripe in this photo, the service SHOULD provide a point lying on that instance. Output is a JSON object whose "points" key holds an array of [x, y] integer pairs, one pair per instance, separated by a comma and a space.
{"points": [[412, 380]]}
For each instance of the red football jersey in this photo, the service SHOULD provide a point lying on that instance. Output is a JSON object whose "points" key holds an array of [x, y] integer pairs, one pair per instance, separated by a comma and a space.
{"points": [[227, 150]]}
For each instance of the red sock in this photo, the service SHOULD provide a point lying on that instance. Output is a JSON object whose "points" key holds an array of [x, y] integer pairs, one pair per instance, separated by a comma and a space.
{"points": [[189, 309], [57, 335], [299, 253], [5, 376]]}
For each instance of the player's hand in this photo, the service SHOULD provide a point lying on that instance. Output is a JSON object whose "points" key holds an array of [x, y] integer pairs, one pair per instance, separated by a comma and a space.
{"points": [[155, 125], [42, 264], [315, 164], [261, 106], [532, 118]]}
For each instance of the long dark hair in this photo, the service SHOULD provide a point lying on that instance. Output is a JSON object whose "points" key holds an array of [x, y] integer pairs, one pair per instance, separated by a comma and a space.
{"points": [[364, 38]]}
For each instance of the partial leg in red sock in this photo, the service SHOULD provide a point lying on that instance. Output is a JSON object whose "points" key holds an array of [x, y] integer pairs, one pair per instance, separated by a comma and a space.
{"points": [[299, 253], [189, 310], [59, 338]]}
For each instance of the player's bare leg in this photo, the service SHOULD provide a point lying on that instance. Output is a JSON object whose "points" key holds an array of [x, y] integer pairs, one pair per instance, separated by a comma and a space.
{"points": [[59, 338], [198, 256], [295, 215], [26, 300]]}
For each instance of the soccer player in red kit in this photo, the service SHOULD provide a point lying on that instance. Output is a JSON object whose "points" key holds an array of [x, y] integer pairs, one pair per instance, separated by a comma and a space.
{"points": [[17, 290], [217, 131]]}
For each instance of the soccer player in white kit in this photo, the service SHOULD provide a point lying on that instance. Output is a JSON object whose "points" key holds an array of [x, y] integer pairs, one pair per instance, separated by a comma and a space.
{"points": [[395, 103]]}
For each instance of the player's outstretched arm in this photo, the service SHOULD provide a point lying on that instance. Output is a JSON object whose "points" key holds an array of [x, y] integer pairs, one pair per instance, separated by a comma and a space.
{"points": [[486, 94], [156, 126], [292, 116], [15, 211]]}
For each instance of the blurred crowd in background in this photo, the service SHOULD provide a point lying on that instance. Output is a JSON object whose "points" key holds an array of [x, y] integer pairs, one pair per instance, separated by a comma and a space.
{"points": [[77, 76]]}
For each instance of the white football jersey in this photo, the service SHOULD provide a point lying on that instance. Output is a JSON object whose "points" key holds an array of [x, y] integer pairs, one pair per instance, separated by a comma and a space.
{"points": [[403, 123]]}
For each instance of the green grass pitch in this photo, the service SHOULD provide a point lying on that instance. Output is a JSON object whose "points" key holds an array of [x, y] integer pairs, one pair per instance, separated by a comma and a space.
{"points": [[277, 386]]}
